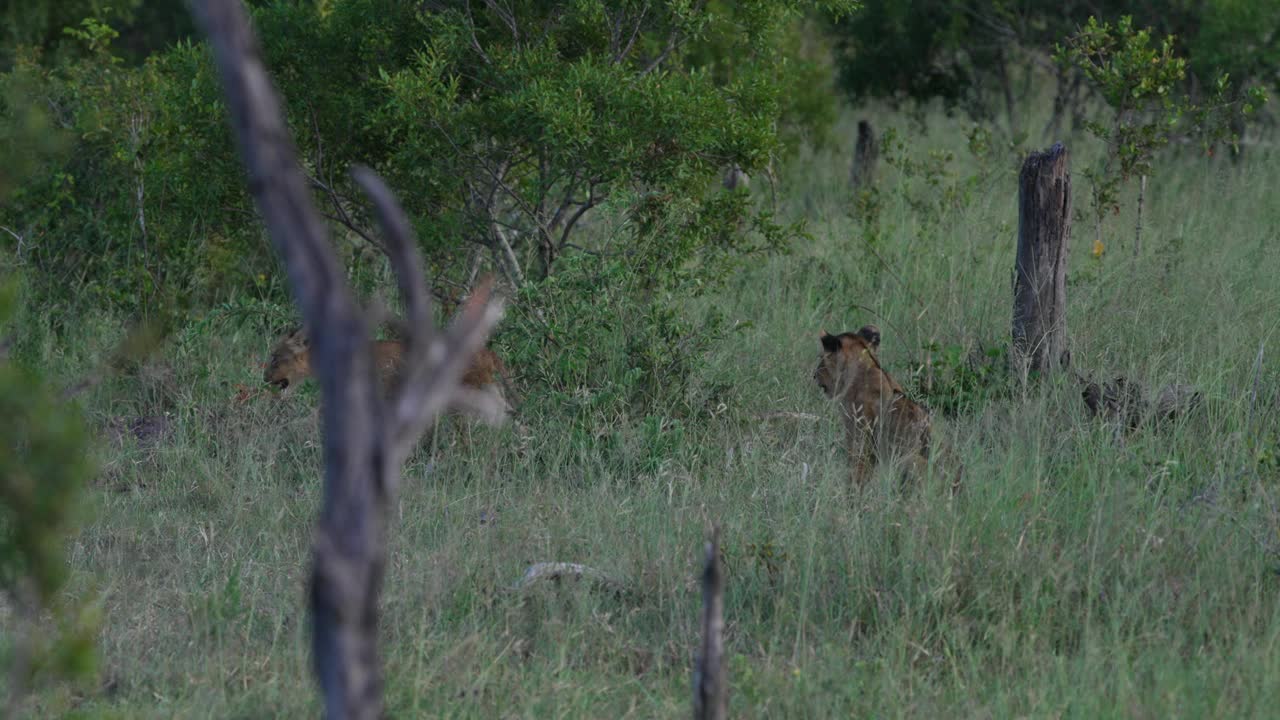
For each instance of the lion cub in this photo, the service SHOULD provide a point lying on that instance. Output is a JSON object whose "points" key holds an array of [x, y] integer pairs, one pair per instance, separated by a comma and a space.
{"points": [[880, 421], [290, 364]]}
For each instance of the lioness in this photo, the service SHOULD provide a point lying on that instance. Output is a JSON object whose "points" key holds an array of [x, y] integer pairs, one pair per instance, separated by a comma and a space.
{"points": [[880, 421], [290, 364]]}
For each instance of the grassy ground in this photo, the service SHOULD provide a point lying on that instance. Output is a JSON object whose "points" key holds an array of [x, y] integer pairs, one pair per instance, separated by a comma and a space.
{"points": [[1077, 575]]}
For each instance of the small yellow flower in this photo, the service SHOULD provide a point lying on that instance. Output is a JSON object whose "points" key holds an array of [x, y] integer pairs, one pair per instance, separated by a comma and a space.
{"points": [[1098, 248]]}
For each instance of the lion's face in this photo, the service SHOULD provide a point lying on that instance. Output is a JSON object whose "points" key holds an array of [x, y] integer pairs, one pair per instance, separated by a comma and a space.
{"points": [[290, 362], [846, 359]]}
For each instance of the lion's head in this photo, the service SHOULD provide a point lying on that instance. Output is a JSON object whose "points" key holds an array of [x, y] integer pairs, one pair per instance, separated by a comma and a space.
{"points": [[290, 362], [847, 359]]}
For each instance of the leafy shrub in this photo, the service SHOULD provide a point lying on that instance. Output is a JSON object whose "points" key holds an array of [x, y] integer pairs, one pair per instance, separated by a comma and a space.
{"points": [[595, 347], [955, 379], [1139, 76], [44, 467], [499, 130], [506, 131]]}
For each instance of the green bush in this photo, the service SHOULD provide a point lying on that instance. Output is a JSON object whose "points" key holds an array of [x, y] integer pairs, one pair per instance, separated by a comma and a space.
{"points": [[511, 134], [44, 468], [593, 347], [492, 137]]}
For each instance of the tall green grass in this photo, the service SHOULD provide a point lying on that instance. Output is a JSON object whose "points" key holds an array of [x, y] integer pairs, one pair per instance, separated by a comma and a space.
{"points": [[1076, 576]]}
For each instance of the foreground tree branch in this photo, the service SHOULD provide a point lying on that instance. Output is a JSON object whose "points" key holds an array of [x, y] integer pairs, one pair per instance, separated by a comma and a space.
{"points": [[365, 436]]}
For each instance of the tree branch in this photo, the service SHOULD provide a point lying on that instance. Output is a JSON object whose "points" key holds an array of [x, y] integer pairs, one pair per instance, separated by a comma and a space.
{"points": [[364, 440], [402, 251], [591, 202], [475, 42], [507, 16], [675, 40], [421, 396], [343, 217]]}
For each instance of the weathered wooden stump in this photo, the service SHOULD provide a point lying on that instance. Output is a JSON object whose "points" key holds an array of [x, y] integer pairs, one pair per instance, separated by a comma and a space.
{"points": [[710, 681], [1040, 270]]}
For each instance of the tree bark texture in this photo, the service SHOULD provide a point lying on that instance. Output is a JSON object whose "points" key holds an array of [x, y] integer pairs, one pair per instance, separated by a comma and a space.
{"points": [[1040, 270], [366, 436]]}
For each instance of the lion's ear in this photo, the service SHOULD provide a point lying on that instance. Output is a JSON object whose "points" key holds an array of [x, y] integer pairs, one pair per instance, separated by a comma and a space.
{"points": [[297, 337], [871, 334], [830, 342]]}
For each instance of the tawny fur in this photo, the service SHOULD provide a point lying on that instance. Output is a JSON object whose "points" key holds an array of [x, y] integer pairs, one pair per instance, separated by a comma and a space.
{"points": [[290, 364], [880, 421]]}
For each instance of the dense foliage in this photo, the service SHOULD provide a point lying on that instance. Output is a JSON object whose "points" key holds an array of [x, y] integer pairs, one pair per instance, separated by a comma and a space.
{"points": [[1138, 75], [143, 27], [501, 129], [507, 131], [975, 56]]}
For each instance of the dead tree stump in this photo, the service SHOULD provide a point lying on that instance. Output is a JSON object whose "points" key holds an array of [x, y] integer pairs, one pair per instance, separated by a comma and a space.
{"points": [[1040, 270], [710, 682], [865, 154]]}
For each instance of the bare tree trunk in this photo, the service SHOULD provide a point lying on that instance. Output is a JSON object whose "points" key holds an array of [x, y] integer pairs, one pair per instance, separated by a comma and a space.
{"points": [[1040, 270], [710, 683], [1137, 231], [506, 257], [366, 436], [547, 254], [865, 154]]}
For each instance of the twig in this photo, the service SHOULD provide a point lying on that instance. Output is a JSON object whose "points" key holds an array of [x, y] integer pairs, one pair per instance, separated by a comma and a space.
{"points": [[591, 202], [599, 253], [473, 270], [507, 16], [508, 258], [508, 255], [635, 32], [475, 42], [343, 217]]}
